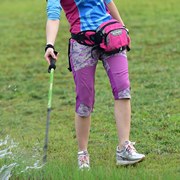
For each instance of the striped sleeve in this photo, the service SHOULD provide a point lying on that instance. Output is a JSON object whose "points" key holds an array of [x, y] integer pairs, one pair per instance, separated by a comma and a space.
{"points": [[107, 1], [53, 9]]}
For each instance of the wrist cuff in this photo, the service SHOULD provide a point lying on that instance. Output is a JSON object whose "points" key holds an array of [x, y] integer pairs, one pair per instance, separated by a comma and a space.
{"points": [[49, 46]]}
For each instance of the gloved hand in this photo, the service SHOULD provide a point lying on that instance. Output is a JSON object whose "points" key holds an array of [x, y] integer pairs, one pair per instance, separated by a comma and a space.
{"points": [[50, 53]]}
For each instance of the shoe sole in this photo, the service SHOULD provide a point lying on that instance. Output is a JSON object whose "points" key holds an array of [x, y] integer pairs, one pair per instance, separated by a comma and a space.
{"points": [[84, 168], [124, 163]]}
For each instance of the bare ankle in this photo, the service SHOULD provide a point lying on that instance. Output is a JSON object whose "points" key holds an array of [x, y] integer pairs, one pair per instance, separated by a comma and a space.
{"points": [[121, 144]]}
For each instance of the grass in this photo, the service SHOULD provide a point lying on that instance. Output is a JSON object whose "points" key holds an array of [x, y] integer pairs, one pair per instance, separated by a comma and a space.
{"points": [[154, 74]]}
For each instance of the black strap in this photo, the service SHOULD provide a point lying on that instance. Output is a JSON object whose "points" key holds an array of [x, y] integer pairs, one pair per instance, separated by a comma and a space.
{"points": [[69, 45], [82, 38], [49, 46], [121, 49], [102, 28]]}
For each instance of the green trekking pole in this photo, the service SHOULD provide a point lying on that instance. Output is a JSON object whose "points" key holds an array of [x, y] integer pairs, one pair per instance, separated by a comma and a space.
{"points": [[51, 69]]}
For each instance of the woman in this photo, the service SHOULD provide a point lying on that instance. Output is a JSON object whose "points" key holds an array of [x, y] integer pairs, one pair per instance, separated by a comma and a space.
{"points": [[87, 16]]}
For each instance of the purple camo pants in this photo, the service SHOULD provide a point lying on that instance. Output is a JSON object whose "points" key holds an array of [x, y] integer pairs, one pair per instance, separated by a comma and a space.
{"points": [[83, 68]]}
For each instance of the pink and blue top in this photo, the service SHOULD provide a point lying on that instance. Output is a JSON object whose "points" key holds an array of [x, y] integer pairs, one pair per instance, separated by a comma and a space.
{"points": [[82, 15]]}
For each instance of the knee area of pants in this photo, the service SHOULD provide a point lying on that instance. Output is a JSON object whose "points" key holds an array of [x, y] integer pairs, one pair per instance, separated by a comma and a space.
{"points": [[83, 110], [123, 85]]}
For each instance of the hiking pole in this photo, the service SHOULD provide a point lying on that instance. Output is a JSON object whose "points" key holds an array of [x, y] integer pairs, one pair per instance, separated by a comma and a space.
{"points": [[51, 69]]}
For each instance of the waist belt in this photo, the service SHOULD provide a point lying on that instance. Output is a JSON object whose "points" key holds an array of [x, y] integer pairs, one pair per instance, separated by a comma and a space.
{"points": [[84, 37], [90, 40]]}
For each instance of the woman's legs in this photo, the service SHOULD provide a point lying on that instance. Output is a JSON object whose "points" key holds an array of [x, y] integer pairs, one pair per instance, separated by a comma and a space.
{"points": [[116, 67], [82, 125], [84, 80], [122, 111], [83, 67], [117, 70]]}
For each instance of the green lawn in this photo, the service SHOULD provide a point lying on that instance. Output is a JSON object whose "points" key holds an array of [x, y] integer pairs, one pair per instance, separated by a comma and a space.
{"points": [[154, 68]]}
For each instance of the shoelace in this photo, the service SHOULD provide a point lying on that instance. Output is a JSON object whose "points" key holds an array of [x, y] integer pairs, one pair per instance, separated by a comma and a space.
{"points": [[130, 147], [83, 159]]}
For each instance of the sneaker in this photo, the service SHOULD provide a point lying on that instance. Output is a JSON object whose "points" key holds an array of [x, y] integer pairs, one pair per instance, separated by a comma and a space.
{"points": [[83, 160], [128, 155]]}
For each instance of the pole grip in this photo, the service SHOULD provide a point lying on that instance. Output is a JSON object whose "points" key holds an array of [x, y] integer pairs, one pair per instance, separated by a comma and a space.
{"points": [[52, 63]]}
